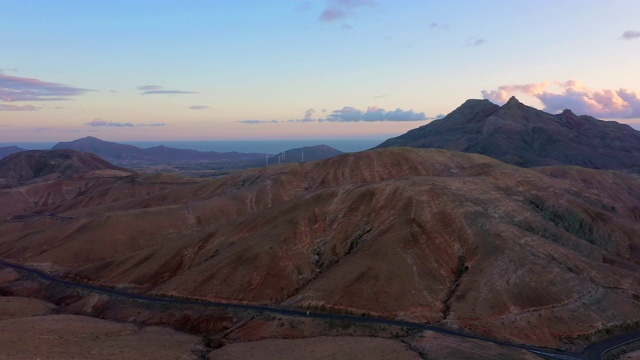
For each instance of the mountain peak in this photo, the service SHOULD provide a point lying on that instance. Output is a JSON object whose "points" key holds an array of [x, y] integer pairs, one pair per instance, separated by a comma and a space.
{"points": [[513, 101], [525, 136]]}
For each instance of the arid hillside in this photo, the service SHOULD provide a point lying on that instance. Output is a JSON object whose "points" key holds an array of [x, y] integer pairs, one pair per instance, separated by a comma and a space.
{"points": [[547, 257], [22, 167]]}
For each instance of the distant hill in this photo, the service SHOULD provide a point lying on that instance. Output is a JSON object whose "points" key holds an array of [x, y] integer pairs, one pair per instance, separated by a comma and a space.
{"points": [[122, 153], [304, 154], [524, 136], [104, 149], [25, 166], [5, 151]]}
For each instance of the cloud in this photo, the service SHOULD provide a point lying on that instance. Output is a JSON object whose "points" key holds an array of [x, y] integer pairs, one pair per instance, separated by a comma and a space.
{"points": [[476, 41], [305, 6], [351, 114], [301, 120], [258, 121], [504, 92], [100, 122], [630, 35], [374, 113], [309, 113], [198, 107], [159, 90], [437, 25], [18, 108], [572, 94], [337, 10], [15, 88]]}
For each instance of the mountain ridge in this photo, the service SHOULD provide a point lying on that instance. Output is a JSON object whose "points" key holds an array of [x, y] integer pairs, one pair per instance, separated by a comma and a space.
{"points": [[524, 136], [122, 152]]}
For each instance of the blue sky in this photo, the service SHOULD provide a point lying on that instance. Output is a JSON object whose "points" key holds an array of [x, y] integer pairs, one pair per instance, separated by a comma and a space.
{"points": [[199, 70]]}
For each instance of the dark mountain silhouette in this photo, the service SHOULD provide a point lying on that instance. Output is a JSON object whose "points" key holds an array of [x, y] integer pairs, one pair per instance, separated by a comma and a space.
{"points": [[304, 154], [124, 153], [5, 151], [104, 149], [29, 165], [524, 136]]}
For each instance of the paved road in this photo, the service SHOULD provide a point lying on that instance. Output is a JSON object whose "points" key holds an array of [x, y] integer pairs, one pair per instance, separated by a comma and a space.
{"points": [[594, 351]]}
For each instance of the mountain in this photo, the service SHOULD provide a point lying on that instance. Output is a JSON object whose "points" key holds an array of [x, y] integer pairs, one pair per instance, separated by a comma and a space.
{"points": [[105, 149], [547, 256], [26, 166], [521, 135], [121, 153], [8, 150], [307, 153]]}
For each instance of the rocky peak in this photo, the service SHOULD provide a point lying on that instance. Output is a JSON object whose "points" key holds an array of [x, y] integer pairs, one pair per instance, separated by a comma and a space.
{"points": [[513, 101]]}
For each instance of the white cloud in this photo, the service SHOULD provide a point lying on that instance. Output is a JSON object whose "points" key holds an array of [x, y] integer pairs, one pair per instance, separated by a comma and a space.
{"points": [[572, 94]]}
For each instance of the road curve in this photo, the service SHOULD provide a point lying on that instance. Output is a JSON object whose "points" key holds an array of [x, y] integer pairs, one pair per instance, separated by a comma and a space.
{"points": [[594, 351]]}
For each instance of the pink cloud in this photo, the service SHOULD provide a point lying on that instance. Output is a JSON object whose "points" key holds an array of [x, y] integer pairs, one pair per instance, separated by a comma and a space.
{"points": [[15, 88], [574, 95], [17, 108], [341, 9], [630, 35]]}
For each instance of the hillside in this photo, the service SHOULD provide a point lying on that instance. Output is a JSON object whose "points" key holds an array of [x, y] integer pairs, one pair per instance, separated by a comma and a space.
{"points": [[8, 150], [26, 166], [521, 135], [548, 257]]}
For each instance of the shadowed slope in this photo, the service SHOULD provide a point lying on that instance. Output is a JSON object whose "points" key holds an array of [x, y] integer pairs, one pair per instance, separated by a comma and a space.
{"points": [[521, 135], [29, 165]]}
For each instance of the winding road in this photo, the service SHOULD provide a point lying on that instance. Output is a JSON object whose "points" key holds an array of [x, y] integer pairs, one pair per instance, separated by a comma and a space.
{"points": [[594, 351]]}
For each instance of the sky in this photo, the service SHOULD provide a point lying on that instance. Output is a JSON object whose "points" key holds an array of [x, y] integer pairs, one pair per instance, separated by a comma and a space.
{"points": [[279, 69]]}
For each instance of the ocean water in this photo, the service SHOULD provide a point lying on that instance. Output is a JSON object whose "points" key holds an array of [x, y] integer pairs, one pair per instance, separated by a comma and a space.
{"points": [[245, 146]]}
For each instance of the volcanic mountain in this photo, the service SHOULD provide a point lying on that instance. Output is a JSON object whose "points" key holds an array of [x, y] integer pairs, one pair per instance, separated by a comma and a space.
{"points": [[122, 153], [524, 136], [26, 166], [546, 257]]}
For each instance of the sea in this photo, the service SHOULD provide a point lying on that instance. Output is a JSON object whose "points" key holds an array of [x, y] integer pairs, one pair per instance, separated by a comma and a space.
{"points": [[244, 146]]}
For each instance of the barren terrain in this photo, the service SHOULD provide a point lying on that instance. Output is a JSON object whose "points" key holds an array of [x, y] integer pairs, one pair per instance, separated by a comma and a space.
{"points": [[545, 257]]}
